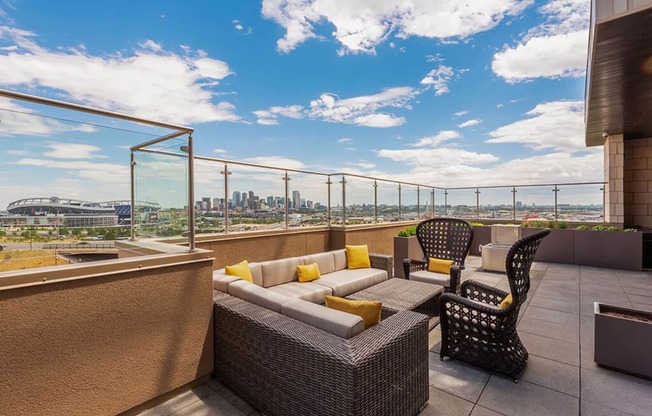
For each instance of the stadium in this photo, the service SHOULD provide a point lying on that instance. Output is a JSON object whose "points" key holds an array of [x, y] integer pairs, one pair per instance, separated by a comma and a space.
{"points": [[75, 213]]}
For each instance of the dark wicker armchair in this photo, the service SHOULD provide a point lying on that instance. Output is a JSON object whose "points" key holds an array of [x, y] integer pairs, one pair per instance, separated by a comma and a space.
{"points": [[473, 326], [441, 238]]}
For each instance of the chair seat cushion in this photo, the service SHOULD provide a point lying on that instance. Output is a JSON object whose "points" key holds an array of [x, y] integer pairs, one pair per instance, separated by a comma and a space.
{"points": [[344, 282], [430, 277], [258, 295], [310, 291]]}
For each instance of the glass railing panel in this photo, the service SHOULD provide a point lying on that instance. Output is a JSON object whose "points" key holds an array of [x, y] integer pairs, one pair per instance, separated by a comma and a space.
{"points": [[209, 197], [410, 203], [309, 196], [388, 209], [360, 200], [579, 203], [536, 203], [441, 209], [462, 203], [161, 190], [257, 198], [336, 212], [495, 204]]}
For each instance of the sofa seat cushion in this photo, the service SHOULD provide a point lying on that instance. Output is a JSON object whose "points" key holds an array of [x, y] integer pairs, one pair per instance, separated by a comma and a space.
{"points": [[345, 282], [342, 324], [221, 281], [258, 295], [310, 291], [277, 272], [430, 277]]}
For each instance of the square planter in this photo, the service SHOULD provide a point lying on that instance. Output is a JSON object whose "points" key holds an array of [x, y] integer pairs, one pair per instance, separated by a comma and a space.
{"points": [[405, 248], [481, 236], [622, 342]]}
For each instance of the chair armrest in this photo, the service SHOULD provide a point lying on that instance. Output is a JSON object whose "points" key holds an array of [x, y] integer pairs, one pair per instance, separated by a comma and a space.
{"points": [[456, 278], [411, 265], [383, 262], [481, 292], [450, 304]]}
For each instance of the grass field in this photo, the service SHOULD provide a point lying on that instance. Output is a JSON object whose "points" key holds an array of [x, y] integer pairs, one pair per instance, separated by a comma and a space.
{"points": [[28, 259]]}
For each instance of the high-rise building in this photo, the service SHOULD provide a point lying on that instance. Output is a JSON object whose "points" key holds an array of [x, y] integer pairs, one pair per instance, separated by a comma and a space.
{"points": [[235, 202], [206, 203], [251, 195], [296, 200], [244, 199], [216, 204]]}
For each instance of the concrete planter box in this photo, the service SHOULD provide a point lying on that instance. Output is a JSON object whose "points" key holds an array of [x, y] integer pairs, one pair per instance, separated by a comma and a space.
{"points": [[481, 236], [623, 343], [606, 249], [405, 248]]}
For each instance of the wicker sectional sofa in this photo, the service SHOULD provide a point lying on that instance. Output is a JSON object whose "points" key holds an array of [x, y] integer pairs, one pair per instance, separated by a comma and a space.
{"points": [[286, 354]]}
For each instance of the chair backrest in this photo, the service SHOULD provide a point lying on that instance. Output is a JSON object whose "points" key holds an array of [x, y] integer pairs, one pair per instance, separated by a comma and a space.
{"points": [[445, 238], [518, 263]]}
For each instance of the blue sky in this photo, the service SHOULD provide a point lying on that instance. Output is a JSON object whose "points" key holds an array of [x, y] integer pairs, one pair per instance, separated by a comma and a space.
{"points": [[449, 93]]}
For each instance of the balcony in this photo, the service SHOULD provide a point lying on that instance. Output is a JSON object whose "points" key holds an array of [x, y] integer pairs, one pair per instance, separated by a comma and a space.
{"points": [[122, 336], [556, 326]]}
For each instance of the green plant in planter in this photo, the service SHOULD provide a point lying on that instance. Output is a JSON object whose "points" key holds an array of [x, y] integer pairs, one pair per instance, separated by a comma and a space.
{"points": [[477, 224], [582, 227], [630, 230], [562, 225], [408, 232]]}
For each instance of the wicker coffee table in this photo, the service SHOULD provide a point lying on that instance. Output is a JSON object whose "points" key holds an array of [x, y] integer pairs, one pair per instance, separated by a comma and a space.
{"points": [[400, 294]]}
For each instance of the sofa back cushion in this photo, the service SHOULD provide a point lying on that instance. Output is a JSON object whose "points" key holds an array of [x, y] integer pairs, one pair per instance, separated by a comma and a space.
{"points": [[340, 259], [258, 295], [342, 324], [277, 272], [221, 281], [325, 261]]}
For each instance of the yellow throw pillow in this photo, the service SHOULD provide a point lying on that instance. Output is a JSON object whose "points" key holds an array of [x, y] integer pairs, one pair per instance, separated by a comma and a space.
{"points": [[240, 270], [368, 310], [506, 302], [439, 265], [308, 273], [357, 257]]}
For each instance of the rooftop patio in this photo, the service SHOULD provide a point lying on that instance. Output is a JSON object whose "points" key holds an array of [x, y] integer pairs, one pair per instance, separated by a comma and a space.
{"points": [[556, 326]]}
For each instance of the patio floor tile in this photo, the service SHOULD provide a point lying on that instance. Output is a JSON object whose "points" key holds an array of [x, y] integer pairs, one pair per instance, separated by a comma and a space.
{"points": [[483, 411], [445, 404], [550, 330], [613, 389], [526, 399], [549, 315], [458, 378], [562, 351], [553, 375], [179, 402], [213, 405], [555, 305], [593, 409]]}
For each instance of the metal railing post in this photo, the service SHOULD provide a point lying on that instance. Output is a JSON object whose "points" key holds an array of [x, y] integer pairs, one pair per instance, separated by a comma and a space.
{"points": [[375, 202], [132, 165], [286, 179], [191, 194], [477, 203], [400, 213], [328, 209], [556, 191], [418, 203], [226, 174], [432, 203], [604, 200], [514, 203], [445, 202], [343, 182]]}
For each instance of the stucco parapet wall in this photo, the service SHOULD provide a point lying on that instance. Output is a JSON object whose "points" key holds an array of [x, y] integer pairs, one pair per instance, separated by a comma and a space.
{"points": [[168, 255]]}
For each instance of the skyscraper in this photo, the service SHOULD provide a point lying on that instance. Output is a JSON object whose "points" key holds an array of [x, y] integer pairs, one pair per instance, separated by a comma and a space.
{"points": [[235, 202], [296, 200], [206, 203]]}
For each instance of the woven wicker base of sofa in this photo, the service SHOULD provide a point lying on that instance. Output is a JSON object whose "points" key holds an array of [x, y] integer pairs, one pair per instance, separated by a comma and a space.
{"points": [[284, 367]]}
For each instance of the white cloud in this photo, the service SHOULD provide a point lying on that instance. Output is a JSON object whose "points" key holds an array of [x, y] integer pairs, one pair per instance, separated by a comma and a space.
{"points": [[438, 79], [17, 152], [345, 140], [275, 161], [72, 151], [270, 117], [220, 151], [363, 110], [461, 113], [437, 158], [92, 171], [21, 121], [150, 82], [362, 25], [555, 125], [237, 25], [439, 138], [469, 123], [554, 49], [362, 164]]}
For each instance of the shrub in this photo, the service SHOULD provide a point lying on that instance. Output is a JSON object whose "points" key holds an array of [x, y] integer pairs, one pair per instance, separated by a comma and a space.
{"points": [[582, 227], [562, 225], [477, 224], [525, 224], [630, 230], [408, 232]]}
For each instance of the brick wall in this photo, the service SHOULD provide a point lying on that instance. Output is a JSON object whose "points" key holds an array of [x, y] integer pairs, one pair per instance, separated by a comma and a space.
{"points": [[614, 152], [638, 183]]}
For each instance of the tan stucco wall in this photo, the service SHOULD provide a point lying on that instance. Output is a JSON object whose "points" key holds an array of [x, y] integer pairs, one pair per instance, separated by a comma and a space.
{"points": [[233, 248], [614, 153], [104, 344], [638, 183]]}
